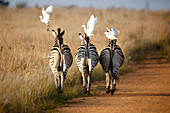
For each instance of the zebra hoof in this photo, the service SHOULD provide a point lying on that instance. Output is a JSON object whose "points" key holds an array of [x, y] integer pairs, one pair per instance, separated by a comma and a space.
{"points": [[112, 91], [108, 90], [85, 90], [60, 92], [88, 92]]}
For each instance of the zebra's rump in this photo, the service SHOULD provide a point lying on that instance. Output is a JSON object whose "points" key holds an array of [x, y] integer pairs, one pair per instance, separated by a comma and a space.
{"points": [[80, 58], [68, 58], [105, 59], [118, 57], [54, 57], [93, 55], [81, 53]]}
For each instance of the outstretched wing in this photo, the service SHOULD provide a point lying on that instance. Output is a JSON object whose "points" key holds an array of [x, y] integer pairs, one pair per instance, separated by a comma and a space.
{"points": [[49, 9], [95, 21], [90, 23], [43, 10], [115, 32]]}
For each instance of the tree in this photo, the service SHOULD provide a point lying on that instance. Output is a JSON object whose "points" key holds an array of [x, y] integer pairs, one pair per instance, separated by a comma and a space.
{"points": [[4, 3]]}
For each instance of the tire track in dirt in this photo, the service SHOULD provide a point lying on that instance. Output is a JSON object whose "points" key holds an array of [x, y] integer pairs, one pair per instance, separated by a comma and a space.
{"points": [[145, 90]]}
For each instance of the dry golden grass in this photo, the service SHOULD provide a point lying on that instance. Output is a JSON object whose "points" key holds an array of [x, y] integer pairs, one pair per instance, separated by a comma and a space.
{"points": [[25, 77]]}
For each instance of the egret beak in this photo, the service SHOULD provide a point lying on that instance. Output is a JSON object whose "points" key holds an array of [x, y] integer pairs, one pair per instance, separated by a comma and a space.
{"points": [[81, 26], [104, 33]]}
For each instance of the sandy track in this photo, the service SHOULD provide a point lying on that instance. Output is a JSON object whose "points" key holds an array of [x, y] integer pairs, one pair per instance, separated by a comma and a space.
{"points": [[145, 90]]}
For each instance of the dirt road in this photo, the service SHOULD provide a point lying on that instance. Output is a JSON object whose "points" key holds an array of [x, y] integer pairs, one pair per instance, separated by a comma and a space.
{"points": [[145, 90]]}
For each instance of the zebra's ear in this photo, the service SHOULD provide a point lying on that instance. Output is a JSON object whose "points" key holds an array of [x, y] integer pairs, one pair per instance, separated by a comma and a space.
{"points": [[62, 33], [80, 36], [59, 30], [54, 33]]}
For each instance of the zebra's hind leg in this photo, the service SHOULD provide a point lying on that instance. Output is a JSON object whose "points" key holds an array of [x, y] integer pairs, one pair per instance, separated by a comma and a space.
{"points": [[59, 82], [62, 82], [89, 83], [107, 83], [84, 83], [113, 85], [56, 81], [56, 77]]}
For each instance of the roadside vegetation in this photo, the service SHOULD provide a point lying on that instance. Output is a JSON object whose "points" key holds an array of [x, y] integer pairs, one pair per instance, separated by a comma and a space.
{"points": [[26, 81]]}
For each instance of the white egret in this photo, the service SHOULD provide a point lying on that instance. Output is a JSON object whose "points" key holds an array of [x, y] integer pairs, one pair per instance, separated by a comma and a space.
{"points": [[90, 26], [46, 14], [112, 34]]}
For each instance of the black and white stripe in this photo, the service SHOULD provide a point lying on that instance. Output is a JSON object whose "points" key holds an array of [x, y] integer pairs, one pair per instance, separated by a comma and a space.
{"points": [[60, 59], [111, 59], [86, 59]]}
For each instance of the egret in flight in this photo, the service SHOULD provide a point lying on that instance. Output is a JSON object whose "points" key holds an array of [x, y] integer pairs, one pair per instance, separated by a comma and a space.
{"points": [[46, 14], [90, 26]]}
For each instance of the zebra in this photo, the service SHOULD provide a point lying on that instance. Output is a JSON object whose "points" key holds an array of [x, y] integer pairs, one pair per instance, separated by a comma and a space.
{"points": [[60, 59], [111, 59], [86, 59]]}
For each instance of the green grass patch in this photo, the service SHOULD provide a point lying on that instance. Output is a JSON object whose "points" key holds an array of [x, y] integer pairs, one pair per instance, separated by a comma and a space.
{"points": [[98, 74], [56, 100], [166, 15], [142, 51]]}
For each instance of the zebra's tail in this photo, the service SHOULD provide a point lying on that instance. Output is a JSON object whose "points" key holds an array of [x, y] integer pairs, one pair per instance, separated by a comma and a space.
{"points": [[87, 69], [114, 76]]}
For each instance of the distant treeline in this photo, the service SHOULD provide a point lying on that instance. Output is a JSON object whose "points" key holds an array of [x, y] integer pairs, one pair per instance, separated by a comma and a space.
{"points": [[4, 3]]}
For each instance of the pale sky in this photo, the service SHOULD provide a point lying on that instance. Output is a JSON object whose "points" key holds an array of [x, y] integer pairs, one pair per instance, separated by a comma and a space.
{"points": [[136, 4]]}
